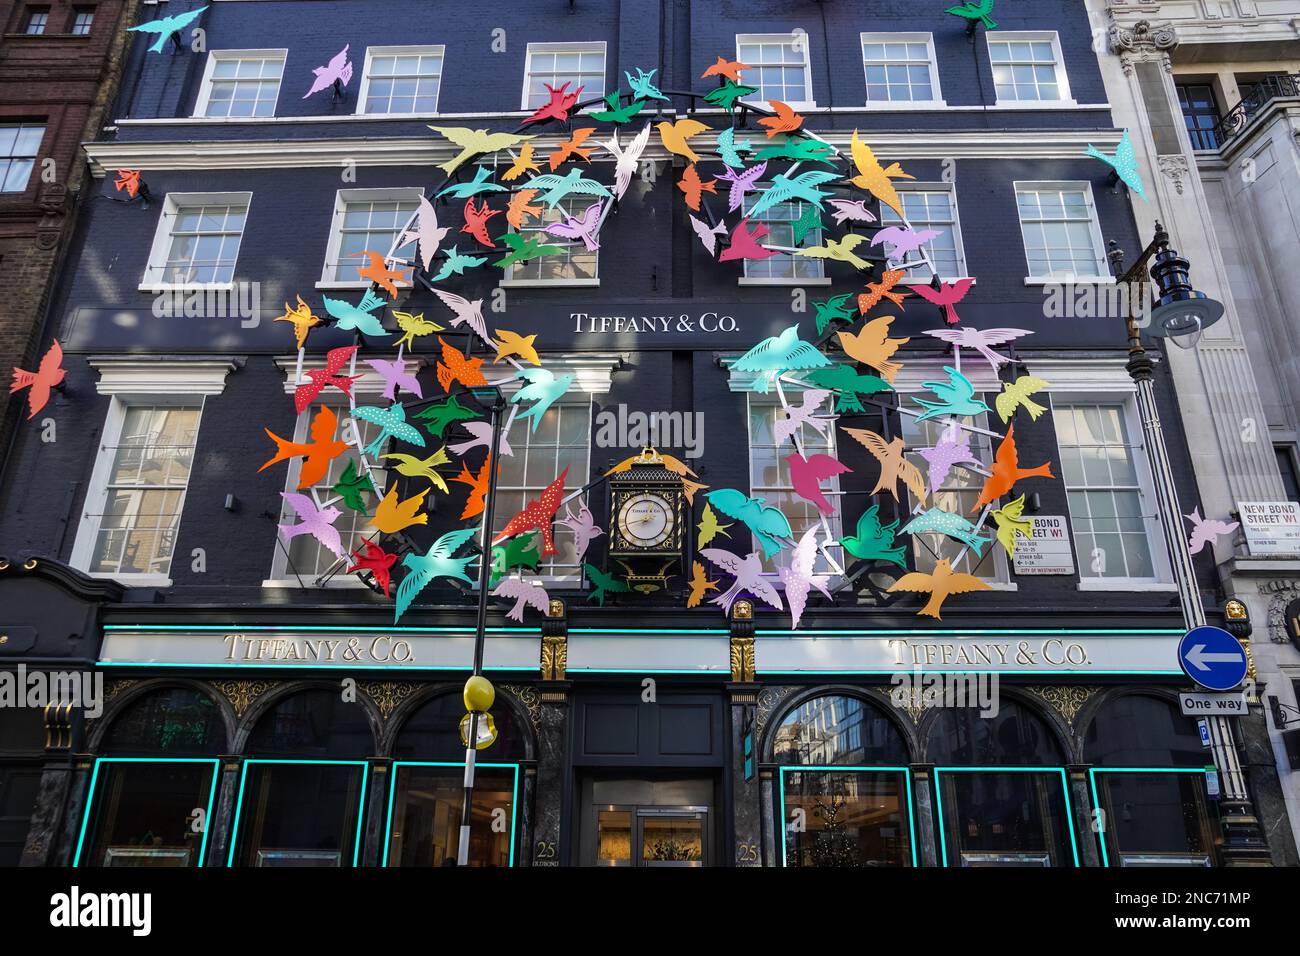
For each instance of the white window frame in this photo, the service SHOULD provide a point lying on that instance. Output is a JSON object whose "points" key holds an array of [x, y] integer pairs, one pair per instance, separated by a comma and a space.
{"points": [[1105, 381], [335, 242], [575, 46], [909, 382], [162, 238], [1065, 100], [510, 281], [427, 49], [1098, 244], [936, 99], [958, 242], [209, 68], [746, 279], [130, 383], [809, 103]]}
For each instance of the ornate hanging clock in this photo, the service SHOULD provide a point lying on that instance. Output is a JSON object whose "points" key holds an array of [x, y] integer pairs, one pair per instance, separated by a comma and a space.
{"points": [[648, 516]]}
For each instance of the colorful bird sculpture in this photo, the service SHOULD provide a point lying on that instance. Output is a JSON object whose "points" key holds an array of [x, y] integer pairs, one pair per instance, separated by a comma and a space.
{"points": [[939, 584]]}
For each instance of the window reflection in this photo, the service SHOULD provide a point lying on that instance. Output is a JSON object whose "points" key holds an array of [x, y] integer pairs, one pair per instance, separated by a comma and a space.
{"points": [[1005, 818], [426, 815], [838, 731], [848, 818]]}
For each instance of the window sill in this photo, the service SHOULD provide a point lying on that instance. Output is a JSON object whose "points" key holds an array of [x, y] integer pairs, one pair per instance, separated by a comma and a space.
{"points": [[942, 278], [1036, 105], [134, 580], [548, 283], [156, 287], [790, 283], [337, 285], [1120, 584], [339, 581], [1001, 585], [1069, 280], [899, 106]]}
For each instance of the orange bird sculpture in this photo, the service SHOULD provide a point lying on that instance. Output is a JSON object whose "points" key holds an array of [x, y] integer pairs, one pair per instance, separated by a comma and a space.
{"points": [[572, 147], [1007, 471], [455, 367], [786, 120], [691, 185], [392, 515], [478, 486], [381, 275], [128, 180], [316, 454], [47, 375], [476, 218], [519, 207], [884, 289], [942, 582], [873, 346], [538, 515], [725, 68]]}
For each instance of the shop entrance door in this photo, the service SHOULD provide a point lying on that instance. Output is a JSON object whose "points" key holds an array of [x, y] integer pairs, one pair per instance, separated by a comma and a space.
{"points": [[650, 823]]}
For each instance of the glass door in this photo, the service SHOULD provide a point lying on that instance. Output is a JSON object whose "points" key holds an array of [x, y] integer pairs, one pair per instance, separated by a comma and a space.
{"points": [[628, 835]]}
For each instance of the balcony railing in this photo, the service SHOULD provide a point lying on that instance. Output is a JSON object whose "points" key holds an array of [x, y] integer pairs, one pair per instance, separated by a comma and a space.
{"points": [[1267, 89]]}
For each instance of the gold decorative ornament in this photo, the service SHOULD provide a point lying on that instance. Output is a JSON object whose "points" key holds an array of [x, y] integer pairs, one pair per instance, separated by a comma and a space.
{"points": [[555, 657], [1066, 699], [743, 667], [388, 694], [1235, 611], [556, 608], [742, 610], [242, 693]]}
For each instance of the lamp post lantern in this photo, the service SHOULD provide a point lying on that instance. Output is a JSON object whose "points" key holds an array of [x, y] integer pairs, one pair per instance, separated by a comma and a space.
{"points": [[1180, 314]]}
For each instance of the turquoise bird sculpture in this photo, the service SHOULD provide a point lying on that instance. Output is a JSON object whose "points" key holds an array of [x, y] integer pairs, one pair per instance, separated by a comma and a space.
{"points": [[801, 149], [767, 524], [874, 541], [456, 263], [543, 388], [360, 317], [778, 354], [643, 85], [557, 187], [166, 26], [392, 424], [957, 397], [938, 521], [787, 188], [479, 184], [437, 562], [729, 150], [1124, 162]]}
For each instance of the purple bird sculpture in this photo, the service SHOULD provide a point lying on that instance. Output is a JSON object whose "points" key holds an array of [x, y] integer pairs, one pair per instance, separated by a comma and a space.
{"points": [[582, 227], [317, 522], [395, 377], [525, 594], [807, 474], [903, 240], [583, 527], [427, 233], [709, 237], [748, 572], [804, 414], [980, 340], [799, 579], [339, 68], [953, 449], [741, 182], [1207, 530], [482, 432], [850, 210]]}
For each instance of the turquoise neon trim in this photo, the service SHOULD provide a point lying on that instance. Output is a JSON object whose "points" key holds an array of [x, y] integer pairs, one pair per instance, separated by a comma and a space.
{"points": [[94, 779], [308, 667], [392, 794], [961, 632], [1065, 792], [316, 627], [1096, 800], [1175, 672], [667, 631], [643, 670], [361, 800], [907, 786]]}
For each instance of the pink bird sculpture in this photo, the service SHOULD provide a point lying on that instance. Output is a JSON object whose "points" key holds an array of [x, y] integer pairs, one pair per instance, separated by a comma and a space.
{"points": [[807, 474], [742, 182], [1207, 530], [338, 68], [903, 240], [799, 579], [583, 527], [317, 522], [581, 227], [804, 414], [946, 296], [744, 244], [319, 378], [953, 449], [482, 432], [524, 594], [748, 572], [979, 339], [850, 210], [708, 236], [395, 377]]}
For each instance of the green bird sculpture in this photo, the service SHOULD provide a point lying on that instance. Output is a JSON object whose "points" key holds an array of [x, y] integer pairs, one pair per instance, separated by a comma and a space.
{"points": [[875, 542], [436, 418], [847, 384], [521, 250], [350, 486], [809, 221], [615, 113], [602, 584], [836, 309], [521, 551], [978, 10], [728, 93]]}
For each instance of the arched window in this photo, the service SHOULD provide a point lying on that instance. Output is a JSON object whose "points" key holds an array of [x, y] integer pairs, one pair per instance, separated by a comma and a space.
{"points": [[1149, 781], [845, 789], [159, 766], [427, 788], [1001, 792], [302, 792]]}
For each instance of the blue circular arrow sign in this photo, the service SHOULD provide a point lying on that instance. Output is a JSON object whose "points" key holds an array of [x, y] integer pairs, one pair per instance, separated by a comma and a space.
{"points": [[1212, 657]]}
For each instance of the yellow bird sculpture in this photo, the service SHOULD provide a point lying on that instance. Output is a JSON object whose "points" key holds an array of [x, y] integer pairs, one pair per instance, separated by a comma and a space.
{"points": [[943, 582], [700, 584], [873, 177], [675, 137], [474, 142], [512, 343], [391, 515], [523, 163], [893, 464], [841, 251], [1011, 525], [873, 346], [1016, 394], [412, 467], [414, 326], [302, 318]]}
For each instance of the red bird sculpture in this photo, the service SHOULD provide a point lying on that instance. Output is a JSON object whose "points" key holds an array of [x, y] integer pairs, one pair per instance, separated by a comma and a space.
{"points": [[558, 106], [47, 375], [476, 218], [947, 296], [1007, 471], [744, 244], [335, 359], [378, 562], [538, 516]]}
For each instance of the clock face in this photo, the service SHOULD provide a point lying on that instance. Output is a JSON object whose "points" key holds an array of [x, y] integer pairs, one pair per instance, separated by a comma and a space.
{"points": [[646, 521]]}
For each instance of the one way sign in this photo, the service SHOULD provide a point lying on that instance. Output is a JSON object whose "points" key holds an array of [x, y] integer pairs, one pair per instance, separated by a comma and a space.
{"points": [[1212, 657]]}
